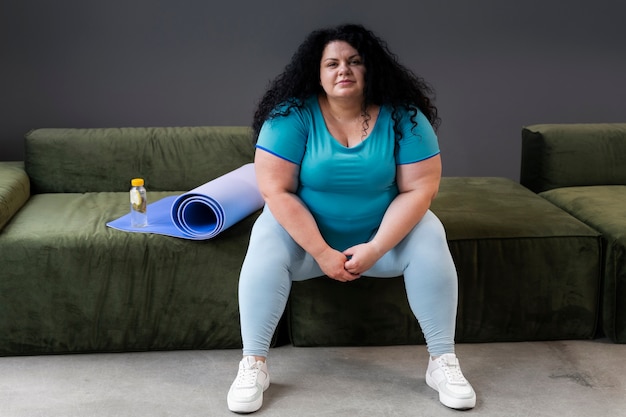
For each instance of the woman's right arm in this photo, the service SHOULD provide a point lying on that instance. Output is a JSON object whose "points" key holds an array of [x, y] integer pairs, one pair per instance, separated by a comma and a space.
{"points": [[278, 183]]}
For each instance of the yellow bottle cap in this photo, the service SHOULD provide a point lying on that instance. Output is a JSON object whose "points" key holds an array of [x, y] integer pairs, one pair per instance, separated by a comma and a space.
{"points": [[137, 182]]}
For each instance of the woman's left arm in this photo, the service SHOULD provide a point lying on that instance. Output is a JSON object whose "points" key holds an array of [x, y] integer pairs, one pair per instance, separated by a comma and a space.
{"points": [[418, 184]]}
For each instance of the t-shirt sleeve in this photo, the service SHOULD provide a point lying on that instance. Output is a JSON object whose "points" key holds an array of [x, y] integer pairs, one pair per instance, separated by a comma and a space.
{"points": [[285, 136], [418, 142]]}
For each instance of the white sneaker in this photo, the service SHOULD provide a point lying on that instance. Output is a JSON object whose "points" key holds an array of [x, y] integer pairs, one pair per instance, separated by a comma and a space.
{"points": [[444, 376], [246, 392]]}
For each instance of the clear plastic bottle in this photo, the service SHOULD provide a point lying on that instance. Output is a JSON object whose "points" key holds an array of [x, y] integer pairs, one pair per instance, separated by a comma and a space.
{"points": [[138, 203]]}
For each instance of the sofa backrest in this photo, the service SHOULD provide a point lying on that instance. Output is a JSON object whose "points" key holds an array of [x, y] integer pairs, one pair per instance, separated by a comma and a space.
{"points": [[168, 158], [570, 155]]}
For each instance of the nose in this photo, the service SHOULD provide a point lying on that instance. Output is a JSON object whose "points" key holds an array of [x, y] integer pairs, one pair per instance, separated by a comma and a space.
{"points": [[344, 68]]}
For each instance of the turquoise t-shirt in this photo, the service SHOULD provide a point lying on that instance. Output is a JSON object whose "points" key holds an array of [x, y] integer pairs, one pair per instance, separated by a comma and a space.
{"points": [[346, 189]]}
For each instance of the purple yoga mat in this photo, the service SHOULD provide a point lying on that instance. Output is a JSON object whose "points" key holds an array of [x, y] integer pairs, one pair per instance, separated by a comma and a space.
{"points": [[203, 212]]}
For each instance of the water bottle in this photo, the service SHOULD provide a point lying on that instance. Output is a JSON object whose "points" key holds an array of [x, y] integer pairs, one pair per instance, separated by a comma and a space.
{"points": [[138, 203]]}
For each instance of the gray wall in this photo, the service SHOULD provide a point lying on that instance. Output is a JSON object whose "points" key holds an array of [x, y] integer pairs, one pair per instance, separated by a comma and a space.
{"points": [[496, 65]]}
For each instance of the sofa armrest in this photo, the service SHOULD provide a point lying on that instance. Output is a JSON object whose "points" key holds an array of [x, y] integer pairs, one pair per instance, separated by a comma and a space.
{"points": [[573, 155], [14, 189]]}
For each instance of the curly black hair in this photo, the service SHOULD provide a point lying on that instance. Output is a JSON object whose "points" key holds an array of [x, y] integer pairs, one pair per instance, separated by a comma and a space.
{"points": [[387, 82]]}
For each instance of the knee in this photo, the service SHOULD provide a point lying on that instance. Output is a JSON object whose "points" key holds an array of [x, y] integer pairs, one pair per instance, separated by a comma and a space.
{"points": [[270, 251], [429, 229]]}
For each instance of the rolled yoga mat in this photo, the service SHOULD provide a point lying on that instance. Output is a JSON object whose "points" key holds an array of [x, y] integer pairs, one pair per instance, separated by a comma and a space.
{"points": [[203, 212]]}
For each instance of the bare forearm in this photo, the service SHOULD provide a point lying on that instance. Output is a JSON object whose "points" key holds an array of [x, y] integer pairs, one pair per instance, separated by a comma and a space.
{"points": [[418, 184], [404, 212], [298, 221]]}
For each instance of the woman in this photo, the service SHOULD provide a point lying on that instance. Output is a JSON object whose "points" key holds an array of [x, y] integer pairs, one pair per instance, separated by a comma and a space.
{"points": [[348, 163]]}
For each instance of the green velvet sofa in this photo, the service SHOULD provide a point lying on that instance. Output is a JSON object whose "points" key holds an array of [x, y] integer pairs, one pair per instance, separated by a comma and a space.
{"points": [[69, 283], [582, 169], [528, 270]]}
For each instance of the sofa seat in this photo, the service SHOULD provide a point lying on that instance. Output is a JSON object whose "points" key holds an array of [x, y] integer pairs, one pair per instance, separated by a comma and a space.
{"points": [[106, 290], [527, 270], [603, 207]]}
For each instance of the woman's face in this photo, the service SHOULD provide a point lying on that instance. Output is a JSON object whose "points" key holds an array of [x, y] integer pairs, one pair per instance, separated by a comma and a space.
{"points": [[342, 71]]}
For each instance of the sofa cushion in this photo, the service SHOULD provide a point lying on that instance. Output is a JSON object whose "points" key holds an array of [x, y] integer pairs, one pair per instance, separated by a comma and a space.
{"points": [[71, 284], [527, 271], [168, 158], [566, 155], [604, 209]]}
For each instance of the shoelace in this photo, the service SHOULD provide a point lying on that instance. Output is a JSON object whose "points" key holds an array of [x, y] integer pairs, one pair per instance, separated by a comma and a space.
{"points": [[453, 372], [246, 377]]}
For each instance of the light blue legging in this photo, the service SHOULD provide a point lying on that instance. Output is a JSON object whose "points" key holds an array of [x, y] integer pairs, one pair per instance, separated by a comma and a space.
{"points": [[274, 260]]}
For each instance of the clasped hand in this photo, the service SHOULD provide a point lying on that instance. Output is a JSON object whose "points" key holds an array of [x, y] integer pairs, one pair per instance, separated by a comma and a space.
{"points": [[349, 264]]}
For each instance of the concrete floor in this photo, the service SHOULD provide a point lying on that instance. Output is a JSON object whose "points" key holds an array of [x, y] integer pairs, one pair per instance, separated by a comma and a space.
{"points": [[563, 378]]}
